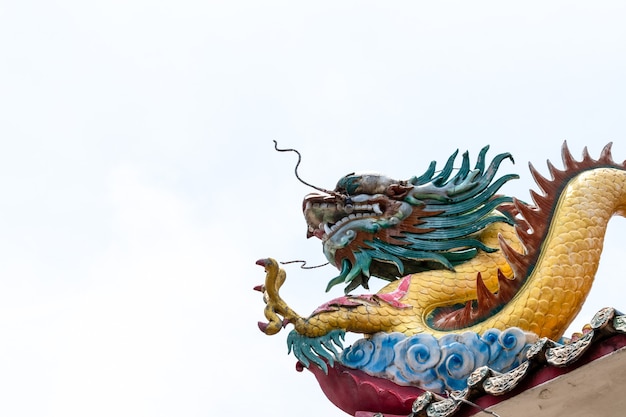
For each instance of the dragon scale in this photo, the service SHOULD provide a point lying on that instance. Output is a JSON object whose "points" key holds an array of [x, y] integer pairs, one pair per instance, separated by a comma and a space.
{"points": [[535, 272]]}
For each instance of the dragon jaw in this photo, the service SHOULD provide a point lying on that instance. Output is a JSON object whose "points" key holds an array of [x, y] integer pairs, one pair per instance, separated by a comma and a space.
{"points": [[339, 221]]}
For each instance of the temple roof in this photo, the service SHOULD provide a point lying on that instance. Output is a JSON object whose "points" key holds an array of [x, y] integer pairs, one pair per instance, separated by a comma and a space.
{"points": [[574, 376]]}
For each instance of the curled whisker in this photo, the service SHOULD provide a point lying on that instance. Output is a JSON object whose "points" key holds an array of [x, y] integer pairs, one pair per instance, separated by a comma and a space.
{"points": [[303, 266], [298, 176]]}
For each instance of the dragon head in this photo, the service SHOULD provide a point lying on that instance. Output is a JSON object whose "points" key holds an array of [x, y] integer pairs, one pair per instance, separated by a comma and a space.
{"points": [[373, 225]]}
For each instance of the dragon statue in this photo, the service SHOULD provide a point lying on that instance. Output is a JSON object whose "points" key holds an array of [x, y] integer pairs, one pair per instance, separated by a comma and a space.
{"points": [[475, 277]]}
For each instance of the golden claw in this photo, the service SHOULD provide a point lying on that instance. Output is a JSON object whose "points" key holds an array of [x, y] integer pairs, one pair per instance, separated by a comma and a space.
{"points": [[275, 306]]}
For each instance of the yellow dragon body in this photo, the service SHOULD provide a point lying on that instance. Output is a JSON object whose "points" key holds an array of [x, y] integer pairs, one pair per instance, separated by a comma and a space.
{"points": [[459, 256]]}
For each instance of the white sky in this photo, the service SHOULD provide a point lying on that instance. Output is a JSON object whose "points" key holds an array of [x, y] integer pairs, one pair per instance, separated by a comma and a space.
{"points": [[139, 185]]}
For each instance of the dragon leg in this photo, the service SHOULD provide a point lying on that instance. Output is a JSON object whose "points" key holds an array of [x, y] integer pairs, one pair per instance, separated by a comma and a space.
{"points": [[275, 305]]}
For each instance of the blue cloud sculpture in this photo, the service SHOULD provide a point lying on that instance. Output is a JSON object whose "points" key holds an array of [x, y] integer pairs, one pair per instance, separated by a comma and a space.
{"points": [[435, 364]]}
